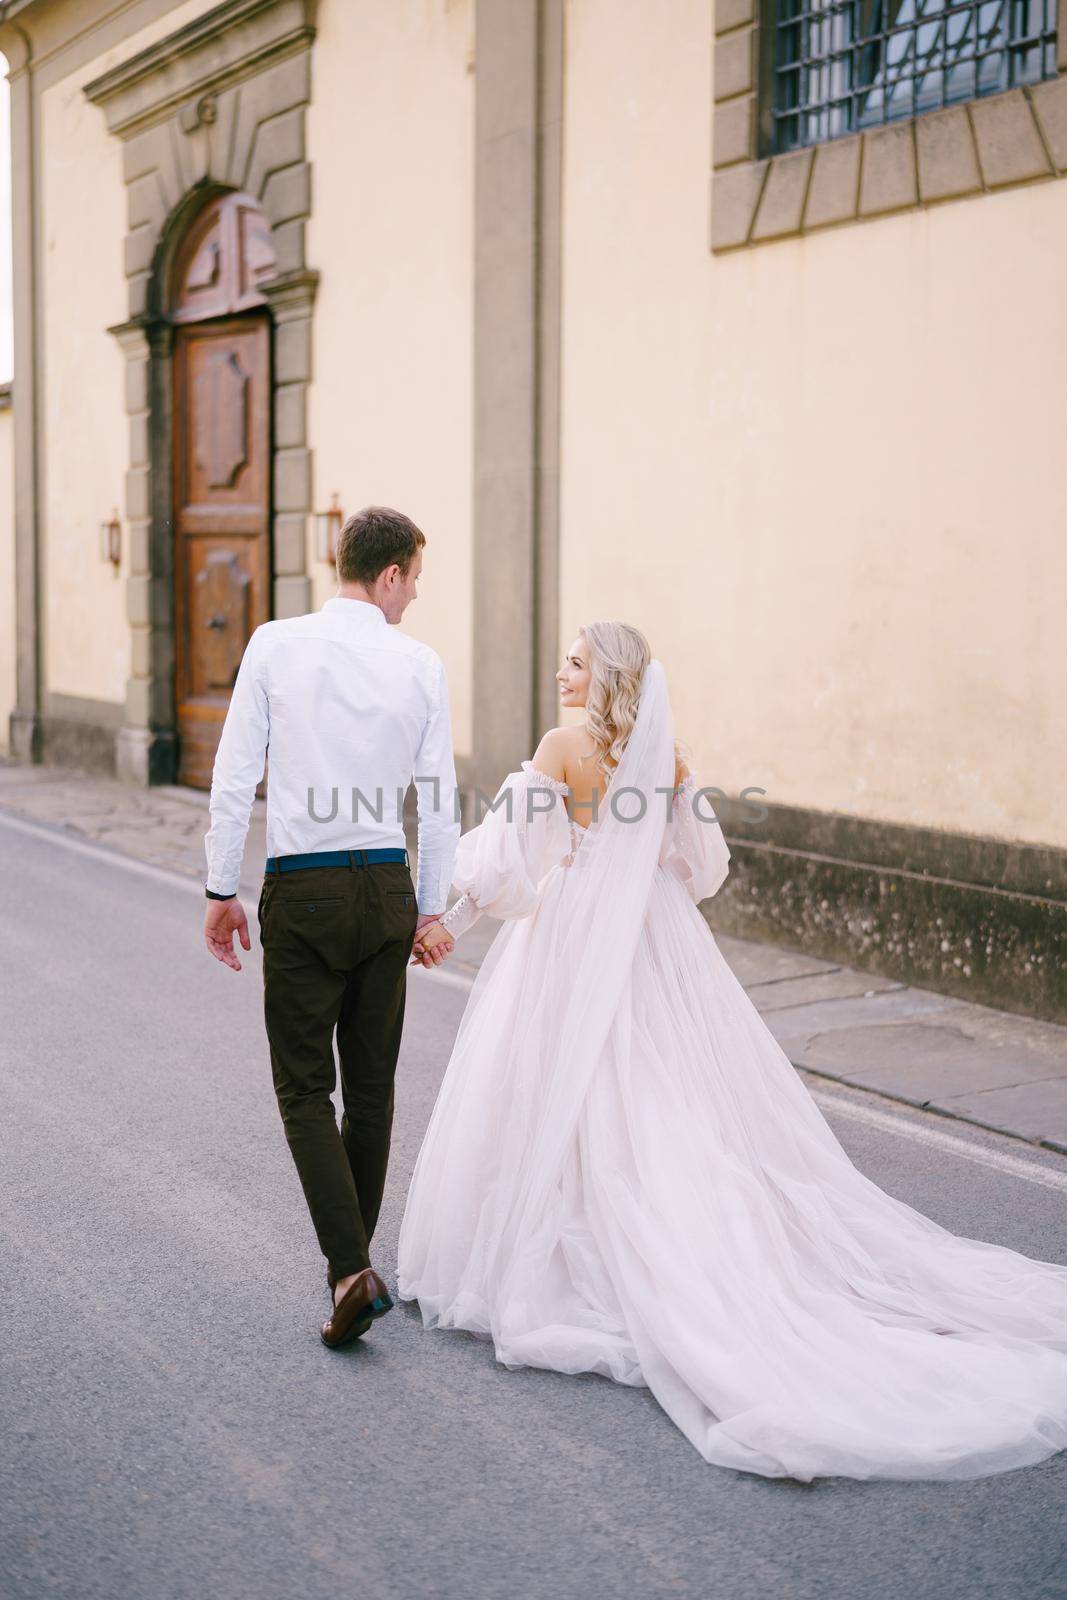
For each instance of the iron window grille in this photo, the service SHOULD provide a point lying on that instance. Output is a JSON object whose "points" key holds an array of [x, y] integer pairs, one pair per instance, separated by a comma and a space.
{"points": [[842, 65]]}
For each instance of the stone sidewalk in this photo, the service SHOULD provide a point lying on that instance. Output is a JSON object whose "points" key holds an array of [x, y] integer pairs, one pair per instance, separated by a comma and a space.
{"points": [[992, 1068]]}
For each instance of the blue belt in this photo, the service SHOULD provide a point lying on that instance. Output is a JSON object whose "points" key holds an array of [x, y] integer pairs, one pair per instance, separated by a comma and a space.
{"points": [[334, 858]]}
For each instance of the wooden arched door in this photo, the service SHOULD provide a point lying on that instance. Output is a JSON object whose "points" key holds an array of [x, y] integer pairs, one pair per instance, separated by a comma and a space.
{"points": [[222, 465]]}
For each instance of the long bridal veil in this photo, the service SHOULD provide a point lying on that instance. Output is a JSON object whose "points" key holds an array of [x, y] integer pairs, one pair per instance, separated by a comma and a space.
{"points": [[553, 1052], [624, 1174], [609, 889]]}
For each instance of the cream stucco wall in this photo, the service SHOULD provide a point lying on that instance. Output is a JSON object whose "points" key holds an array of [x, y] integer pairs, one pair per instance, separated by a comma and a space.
{"points": [[7, 575], [825, 476], [390, 131], [84, 438]]}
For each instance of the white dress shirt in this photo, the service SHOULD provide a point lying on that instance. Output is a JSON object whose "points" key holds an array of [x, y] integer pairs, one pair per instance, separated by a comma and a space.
{"points": [[352, 710]]}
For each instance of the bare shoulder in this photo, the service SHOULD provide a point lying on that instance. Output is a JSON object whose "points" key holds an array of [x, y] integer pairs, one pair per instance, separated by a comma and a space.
{"points": [[681, 771], [552, 753]]}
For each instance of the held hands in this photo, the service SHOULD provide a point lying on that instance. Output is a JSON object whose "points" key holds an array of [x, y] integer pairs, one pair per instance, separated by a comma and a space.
{"points": [[433, 943], [225, 918], [222, 920]]}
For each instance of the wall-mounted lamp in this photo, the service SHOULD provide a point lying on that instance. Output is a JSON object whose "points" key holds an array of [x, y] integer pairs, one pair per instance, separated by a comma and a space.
{"points": [[111, 540], [328, 525]]}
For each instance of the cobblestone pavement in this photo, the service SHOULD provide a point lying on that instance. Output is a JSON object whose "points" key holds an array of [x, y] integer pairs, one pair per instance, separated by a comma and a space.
{"points": [[992, 1068]]}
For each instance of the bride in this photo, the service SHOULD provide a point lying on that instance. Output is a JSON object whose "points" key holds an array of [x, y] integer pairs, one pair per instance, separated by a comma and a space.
{"points": [[624, 1174]]}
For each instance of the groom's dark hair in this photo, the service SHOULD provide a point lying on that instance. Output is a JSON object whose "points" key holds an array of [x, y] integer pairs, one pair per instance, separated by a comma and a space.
{"points": [[373, 539]]}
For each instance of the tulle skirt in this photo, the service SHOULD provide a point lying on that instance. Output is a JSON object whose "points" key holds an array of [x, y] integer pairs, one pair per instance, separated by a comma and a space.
{"points": [[700, 1230]]}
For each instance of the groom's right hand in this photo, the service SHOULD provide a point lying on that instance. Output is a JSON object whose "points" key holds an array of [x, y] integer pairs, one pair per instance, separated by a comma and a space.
{"points": [[222, 920]]}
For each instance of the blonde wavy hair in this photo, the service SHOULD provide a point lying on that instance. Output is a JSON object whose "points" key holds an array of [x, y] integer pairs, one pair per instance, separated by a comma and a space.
{"points": [[618, 655]]}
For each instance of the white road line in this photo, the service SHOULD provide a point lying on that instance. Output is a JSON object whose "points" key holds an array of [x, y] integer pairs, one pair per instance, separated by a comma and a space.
{"points": [[903, 1127], [96, 849]]}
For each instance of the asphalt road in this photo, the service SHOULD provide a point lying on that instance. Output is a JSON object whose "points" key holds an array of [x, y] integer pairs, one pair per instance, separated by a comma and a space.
{"points": [[171, 1426]]}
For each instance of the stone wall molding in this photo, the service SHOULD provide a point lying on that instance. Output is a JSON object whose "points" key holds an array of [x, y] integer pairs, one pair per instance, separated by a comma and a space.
{"points": [[518, 185], [25, 727]]}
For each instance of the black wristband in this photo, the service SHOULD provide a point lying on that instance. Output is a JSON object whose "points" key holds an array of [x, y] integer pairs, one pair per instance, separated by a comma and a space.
{"points": [[213, 896]]}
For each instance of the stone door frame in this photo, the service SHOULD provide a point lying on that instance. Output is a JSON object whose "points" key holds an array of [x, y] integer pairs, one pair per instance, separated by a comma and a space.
{"points": [[218, 105]]}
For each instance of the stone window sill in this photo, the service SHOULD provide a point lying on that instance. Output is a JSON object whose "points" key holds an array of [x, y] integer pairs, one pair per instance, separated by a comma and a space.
{"points": [[992, 143]]}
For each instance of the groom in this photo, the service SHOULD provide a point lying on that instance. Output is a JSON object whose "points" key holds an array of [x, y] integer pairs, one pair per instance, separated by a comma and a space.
{"points": [[352, 711]]}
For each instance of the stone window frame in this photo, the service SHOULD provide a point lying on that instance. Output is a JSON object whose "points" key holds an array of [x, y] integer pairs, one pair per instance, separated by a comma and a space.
{"points": [[219, 105], [995, 142]]}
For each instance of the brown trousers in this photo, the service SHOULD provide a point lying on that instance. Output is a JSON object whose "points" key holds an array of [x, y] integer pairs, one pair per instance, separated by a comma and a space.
{"points": [[336, 944]]}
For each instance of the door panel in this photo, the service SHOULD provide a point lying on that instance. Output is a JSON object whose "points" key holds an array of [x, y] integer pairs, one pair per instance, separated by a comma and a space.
{"points": [[221, 520]]}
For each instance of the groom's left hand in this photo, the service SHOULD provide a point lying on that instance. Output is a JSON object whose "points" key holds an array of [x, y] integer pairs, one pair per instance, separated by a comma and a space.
{"points": [[222, 920], [432, 943]]}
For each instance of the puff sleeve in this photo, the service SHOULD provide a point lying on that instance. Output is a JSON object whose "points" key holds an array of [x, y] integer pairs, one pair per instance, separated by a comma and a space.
{"points": [[694, 849], [502, 862]]}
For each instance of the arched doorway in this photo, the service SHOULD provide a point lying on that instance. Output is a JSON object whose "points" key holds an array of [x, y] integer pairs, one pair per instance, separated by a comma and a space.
{"points": [[221, 488]]}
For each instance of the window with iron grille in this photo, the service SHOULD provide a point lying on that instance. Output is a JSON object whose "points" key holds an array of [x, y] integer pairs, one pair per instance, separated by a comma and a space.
{"points": [[843, 65]]}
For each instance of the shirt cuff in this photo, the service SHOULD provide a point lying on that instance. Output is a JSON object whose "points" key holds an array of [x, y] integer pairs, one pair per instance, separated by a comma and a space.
{"points": [[219, 884]]}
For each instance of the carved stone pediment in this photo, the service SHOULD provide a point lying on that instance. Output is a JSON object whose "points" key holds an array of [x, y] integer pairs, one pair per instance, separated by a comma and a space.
{"points": [[217, 105], [195, 63]]}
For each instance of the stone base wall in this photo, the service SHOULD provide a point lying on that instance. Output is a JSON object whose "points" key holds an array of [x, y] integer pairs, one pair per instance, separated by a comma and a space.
{"points": [[982, 919]]}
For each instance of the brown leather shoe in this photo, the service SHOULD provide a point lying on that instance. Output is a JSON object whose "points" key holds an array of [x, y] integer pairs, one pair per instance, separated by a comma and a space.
{"points": [[363, 1301]]}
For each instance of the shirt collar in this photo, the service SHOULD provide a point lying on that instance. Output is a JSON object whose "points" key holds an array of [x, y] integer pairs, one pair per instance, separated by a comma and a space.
{"points": [[361, 610]]}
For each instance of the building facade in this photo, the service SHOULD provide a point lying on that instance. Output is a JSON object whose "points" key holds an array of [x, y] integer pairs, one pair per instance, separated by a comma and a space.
{"points": [[744, 322]]}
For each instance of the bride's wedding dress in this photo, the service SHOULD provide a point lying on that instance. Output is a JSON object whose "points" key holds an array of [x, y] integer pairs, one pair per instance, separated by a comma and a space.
{"points": [[624, 1174]]}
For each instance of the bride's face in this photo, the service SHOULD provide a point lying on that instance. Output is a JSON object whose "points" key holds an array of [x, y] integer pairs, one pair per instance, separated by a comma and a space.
{"points": [[573, 676]]}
